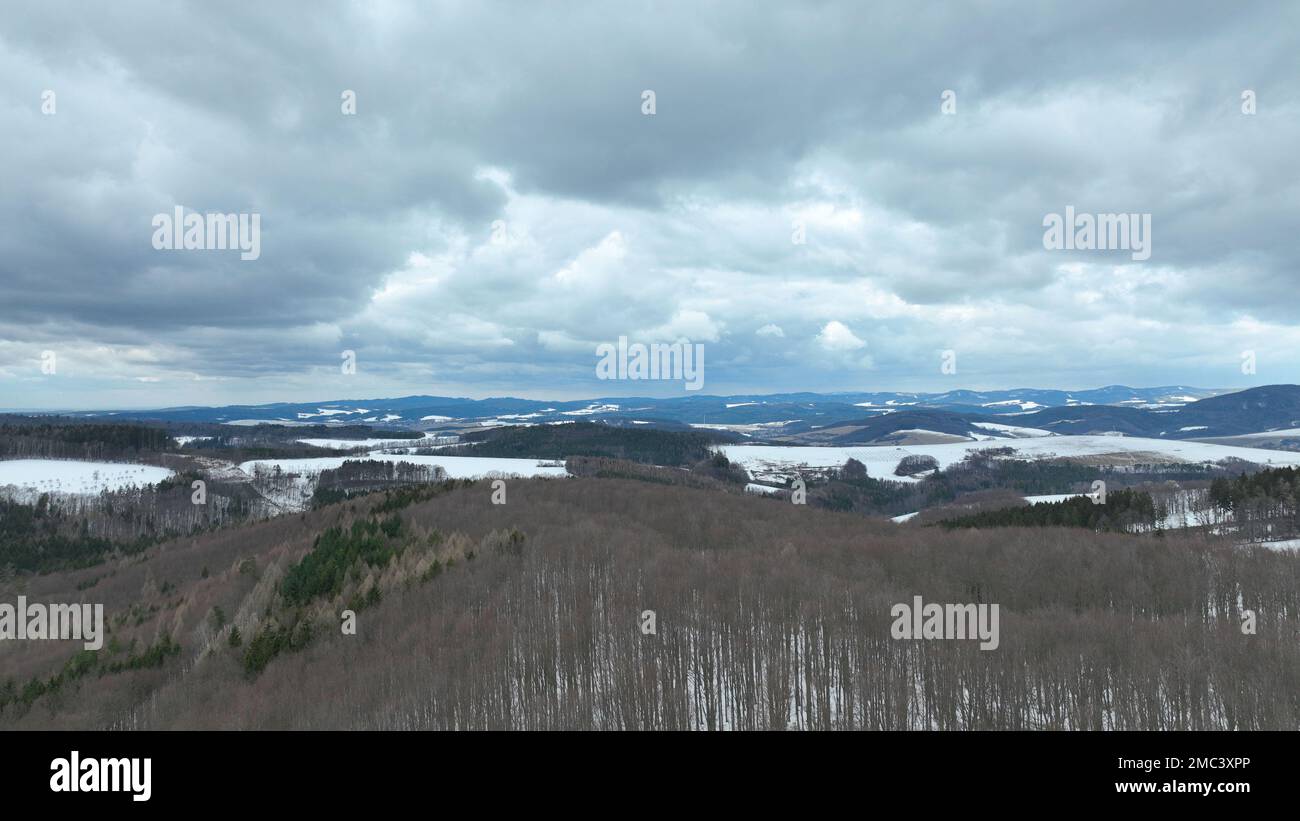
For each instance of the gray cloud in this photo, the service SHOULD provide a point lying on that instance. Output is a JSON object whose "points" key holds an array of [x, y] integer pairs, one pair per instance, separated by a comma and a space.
{"points": [[924, 231]]}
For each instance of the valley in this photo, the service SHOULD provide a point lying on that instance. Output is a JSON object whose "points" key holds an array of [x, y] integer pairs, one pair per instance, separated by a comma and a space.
{"points": [[225, 555]]}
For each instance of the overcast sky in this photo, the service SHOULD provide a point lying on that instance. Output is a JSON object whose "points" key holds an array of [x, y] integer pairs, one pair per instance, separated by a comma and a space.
{"points": [[499, 204]]}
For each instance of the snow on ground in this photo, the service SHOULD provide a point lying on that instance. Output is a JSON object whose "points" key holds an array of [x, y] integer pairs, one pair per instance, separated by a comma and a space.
{"points": [[457, 467], [68, 476], [1024, 405], [1284, 544], [185, 440], [750, 427], [291, 496], [1013, 430], [424, 444], [1181, 509], [1267, 434], [1051, 498], [1033, 500], [328, 412], [777, 462], [1174, 519], [590, 409], [348, 444], [925, 432], [219, 468]]}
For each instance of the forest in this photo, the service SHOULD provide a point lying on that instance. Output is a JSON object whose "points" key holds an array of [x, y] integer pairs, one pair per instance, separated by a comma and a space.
{"points": [[657, 447], [1125, 511], [62, 439], [649, 591], [1263, 506], [765, 615], [38, 538], [851, 489], [362, 476]]}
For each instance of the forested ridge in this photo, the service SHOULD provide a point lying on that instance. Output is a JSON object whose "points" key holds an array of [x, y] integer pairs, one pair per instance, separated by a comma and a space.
{"points": [[1126, 511], [851, 488], [768, 615], [657, 447], [530, 614], [60, 531], [68, 440]]}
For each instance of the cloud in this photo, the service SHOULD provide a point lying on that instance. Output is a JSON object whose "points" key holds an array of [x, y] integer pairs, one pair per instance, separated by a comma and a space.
{"points": [[688, 325], [835, 336], [492, 212]]}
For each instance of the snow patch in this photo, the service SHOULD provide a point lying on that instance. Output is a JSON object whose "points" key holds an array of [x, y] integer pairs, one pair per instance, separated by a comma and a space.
{"points": [[68, 476]]}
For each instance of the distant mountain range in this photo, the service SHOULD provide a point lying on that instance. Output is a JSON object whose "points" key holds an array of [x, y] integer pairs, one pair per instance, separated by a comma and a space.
{"points": [[1272, 408], [740, 409], [1171, 412]]}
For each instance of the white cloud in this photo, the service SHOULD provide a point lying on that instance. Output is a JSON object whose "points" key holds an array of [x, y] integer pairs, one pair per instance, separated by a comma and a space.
{"points": [[923, 231], [695, 326], [835, 336]]}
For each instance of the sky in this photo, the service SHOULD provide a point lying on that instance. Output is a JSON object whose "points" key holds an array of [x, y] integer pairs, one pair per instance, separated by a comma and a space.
{"points": [[825, 196]]}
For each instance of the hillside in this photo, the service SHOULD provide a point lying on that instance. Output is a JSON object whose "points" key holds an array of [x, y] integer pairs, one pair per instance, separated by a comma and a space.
{"points": [[586, 439], [531, 614], [1254, 410], [1271, 407], [803, 408], [882, 428]]}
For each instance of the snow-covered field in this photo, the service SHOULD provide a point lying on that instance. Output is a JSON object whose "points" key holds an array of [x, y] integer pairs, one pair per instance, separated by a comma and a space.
{"points": [[1266, 434], [296, 494], [1051, 498], [349, 444], [1013, 430], [68, 476], [457, 467], [1284, 544], [777, 462], [747, 428]]}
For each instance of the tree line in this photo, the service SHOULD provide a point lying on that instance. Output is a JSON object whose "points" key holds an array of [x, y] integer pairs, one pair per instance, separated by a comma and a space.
{"points": [[657, 447], [74, 440], [764, 616], [1263, 505], [1124, 511]]}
